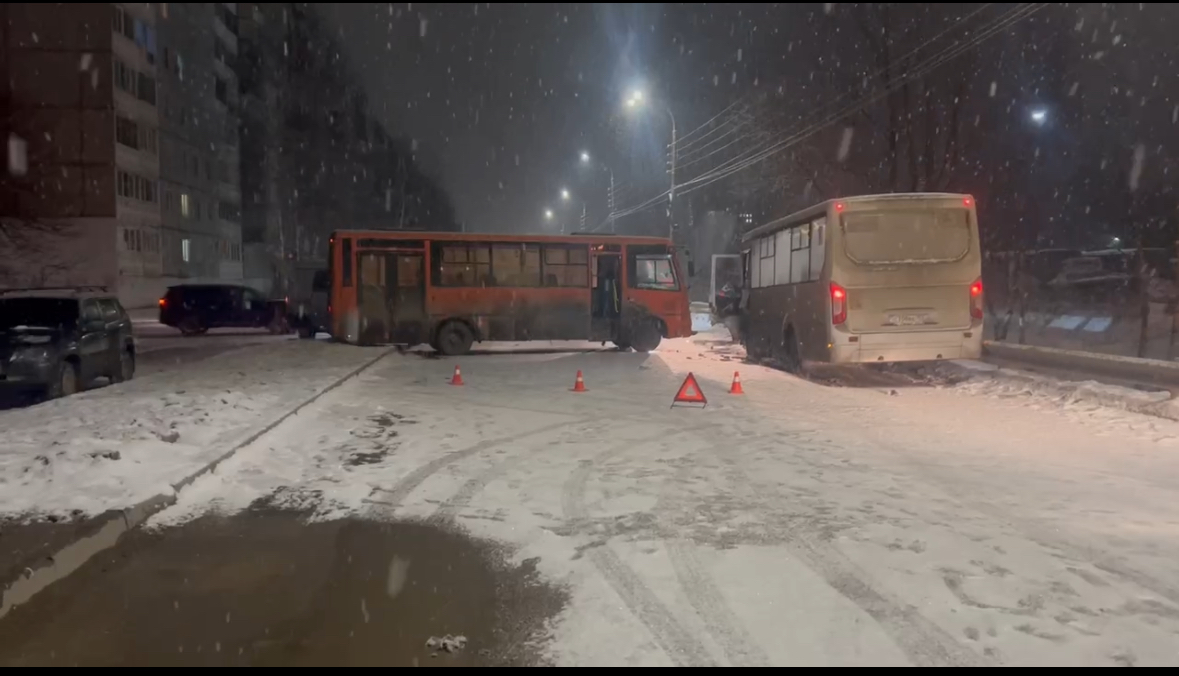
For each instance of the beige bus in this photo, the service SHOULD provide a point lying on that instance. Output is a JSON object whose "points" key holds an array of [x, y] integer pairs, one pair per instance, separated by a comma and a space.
{"points": [[876, 278]]}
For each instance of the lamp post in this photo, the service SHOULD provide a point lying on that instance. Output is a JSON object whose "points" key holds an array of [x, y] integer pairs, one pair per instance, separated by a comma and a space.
{"points": [[587, 159], [637, 100]]}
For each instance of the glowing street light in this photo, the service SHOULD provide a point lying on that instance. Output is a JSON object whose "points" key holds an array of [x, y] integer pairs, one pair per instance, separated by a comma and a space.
{"points": [[548, 214], [565, 194], [1039, 116], [585, 157], [635, 101]]}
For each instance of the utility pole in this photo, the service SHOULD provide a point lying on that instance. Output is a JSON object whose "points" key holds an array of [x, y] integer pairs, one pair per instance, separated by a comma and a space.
{"points": [[671, 190], [610, 201]]}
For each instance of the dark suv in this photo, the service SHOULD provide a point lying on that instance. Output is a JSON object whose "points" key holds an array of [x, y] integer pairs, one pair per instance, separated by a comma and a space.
{"points": [[54, 341], [196, 308]]}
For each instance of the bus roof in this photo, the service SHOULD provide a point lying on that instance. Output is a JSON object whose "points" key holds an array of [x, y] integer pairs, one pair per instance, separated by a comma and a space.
{"points": [[821, 207], [497, 237]]}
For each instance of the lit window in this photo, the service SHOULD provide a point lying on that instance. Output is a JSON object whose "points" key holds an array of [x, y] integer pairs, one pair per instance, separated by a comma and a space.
{"points": [[184, 250], [185, 209]]}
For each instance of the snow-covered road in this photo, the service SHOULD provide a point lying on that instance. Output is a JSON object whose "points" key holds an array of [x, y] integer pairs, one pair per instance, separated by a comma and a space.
{"points": [[795, 525]]}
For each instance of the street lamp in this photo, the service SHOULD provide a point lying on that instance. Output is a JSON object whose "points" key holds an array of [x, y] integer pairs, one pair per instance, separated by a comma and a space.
{"points": [[1039, 116], [548, 214], [636, 100], [586, 159], [565, 194]]}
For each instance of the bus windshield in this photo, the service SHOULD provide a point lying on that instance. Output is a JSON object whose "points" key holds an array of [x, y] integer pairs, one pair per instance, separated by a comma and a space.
{"points": [[655, 272], [906, 237]]}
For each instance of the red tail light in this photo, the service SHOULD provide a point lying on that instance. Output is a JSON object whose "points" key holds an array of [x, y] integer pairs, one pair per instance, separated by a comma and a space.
{"points": [[163, 302], [838, 304], [976, 306]]}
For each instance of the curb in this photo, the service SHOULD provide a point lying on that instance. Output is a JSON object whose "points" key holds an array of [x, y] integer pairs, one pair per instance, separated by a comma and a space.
{"points": [[112, 525], [1154, 371], [1159, 404]]}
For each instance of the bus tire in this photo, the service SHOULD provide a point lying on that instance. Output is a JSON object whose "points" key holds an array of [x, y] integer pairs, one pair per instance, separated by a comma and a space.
{"points": [[454, 339], [791, 360], [646, 337]]}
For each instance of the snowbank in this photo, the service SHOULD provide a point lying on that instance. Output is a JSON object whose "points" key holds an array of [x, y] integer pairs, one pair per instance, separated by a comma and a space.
{"points": [[115, 446]]}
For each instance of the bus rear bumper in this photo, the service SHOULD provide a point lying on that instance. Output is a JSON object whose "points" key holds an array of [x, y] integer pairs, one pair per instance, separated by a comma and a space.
{"points": [[870, 348]]}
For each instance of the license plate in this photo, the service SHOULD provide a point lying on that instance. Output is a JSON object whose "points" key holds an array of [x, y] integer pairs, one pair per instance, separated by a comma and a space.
{"points": [[911, 319]]}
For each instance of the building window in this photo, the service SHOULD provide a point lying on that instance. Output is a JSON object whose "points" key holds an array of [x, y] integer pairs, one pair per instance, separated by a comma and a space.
{"points": [[185, 206], [179, 68], [184, 250], [228, 211], [221, 52], [151, 140], [147, 89], [123, 24], [221, 91], [127, 132], [228, 18], [124, 77]]}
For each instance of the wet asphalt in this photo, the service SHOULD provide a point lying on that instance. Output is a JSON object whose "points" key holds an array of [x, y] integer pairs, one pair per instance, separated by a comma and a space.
{"points": [[266, 588]]}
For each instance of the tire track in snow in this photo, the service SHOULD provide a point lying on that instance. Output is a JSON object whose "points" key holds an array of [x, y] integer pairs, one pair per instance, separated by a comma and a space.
{"points": [[449, 510], [720, 620], [411, 481], [922, 641], [703, 594], [684, 649]]}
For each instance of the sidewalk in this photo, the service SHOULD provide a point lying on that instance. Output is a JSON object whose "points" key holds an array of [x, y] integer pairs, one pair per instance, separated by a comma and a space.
{"points": [[115, 446]]}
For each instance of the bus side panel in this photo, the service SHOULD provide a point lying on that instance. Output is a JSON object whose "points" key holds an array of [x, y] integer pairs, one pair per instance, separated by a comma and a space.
{"points": [[773, 310], [768, 306], [811, 318], [513, 313]]}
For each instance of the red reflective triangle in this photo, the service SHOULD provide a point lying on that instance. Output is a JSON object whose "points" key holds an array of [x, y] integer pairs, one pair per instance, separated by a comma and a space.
{"points": [[690, 392]]}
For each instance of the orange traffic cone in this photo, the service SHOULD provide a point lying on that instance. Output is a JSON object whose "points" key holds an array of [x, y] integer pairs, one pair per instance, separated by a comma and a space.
{"points": [[736, 388], [579, 384], [457, 378]]}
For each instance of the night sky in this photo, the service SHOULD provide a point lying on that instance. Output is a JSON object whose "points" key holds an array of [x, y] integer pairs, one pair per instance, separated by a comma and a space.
{"points": [[501, 99]]}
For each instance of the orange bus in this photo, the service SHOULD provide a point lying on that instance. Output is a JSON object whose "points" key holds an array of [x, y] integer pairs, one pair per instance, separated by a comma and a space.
{"points": [[452, 289]]}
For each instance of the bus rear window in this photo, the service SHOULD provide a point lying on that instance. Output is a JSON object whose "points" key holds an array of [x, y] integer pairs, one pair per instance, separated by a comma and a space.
{"points": [[906, 237]]}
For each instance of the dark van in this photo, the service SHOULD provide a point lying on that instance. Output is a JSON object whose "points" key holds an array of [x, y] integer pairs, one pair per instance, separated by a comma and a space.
{"points": [[196, 308]]}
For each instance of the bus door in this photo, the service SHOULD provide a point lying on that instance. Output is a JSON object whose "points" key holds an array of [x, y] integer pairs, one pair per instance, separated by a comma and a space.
{"points": [[724, 291], [606, 287], [392, 297]]}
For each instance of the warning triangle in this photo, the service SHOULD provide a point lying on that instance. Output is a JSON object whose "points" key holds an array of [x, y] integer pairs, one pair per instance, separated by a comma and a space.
{"points": [[690, 393]]}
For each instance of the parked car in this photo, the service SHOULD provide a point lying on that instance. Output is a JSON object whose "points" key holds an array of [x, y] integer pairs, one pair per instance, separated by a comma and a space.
{"points": [[55, 341], [196, 308]]}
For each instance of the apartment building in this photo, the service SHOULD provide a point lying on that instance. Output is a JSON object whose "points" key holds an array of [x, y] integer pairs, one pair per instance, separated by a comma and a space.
{"points": [[80, 198], [199, 172], [122, 143]]}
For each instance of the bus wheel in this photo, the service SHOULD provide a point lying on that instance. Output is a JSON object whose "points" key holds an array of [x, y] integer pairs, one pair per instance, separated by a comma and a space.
{"points": [[791, 361], [454, 339], [646, 337]]}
